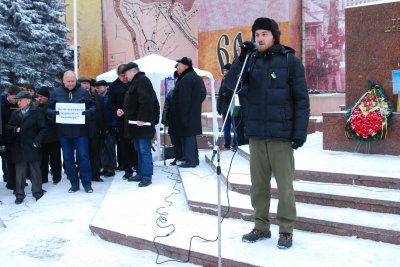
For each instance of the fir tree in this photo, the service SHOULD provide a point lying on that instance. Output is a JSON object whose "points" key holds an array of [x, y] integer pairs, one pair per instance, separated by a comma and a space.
{"points": [[33, 43]]}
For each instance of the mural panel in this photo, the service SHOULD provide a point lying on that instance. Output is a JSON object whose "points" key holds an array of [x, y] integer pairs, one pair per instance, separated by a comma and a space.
{"points": [[90, 36], [135, 28], [324, 43]]}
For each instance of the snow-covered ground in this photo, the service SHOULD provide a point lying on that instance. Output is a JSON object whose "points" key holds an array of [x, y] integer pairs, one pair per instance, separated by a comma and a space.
{"points": [[55, 230]]}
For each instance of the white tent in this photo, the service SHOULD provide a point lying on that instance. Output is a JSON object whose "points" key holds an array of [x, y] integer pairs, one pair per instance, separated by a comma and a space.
{"points": [[157, 68]]}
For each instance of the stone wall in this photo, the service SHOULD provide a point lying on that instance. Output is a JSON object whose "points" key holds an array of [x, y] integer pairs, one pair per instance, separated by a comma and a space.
{"points": [[372, 48]]}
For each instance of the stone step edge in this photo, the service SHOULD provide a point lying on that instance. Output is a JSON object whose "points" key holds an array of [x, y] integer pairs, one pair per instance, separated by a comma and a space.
{"points": [[340, 178], [306, 224], [375, 205], [172, 252]]}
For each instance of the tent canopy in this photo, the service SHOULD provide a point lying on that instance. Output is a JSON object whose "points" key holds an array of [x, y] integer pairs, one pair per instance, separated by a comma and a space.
{"points": [[157, 68], [152, 64]]}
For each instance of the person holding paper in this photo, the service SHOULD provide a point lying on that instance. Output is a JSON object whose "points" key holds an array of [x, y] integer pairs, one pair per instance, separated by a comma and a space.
{"points": [[74, 137], [141, 109]]}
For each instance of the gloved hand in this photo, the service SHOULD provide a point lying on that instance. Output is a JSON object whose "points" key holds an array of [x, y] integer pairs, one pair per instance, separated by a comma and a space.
{"points": [[296, 143], [245, 48], [85, 112]]}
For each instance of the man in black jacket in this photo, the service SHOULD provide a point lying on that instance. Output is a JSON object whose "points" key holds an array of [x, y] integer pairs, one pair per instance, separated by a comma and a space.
{"points": [[28, 128], [126, 153], [97, 129], [142, 113], [8, 105], [189, 93], [224, 99], [51, 148], [74, 137], [277, 114]]}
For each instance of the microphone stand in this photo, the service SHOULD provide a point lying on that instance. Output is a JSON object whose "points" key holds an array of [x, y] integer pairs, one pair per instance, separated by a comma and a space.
{"points": [[164, 143], [217, 151]]}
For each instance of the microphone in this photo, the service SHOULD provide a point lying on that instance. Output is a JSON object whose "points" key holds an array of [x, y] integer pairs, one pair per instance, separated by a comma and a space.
{"points": [[250, 46], [256, 46]]}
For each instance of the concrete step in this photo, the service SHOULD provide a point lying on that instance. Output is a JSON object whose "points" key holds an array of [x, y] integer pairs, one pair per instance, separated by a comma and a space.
{"points": [[318, 169], [310, 217], [161, 221], [320, 193]]}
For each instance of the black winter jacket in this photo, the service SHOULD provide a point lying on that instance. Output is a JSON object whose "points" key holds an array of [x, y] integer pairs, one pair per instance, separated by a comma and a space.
{"points": [[76, 95], [189, 93], [97, 122], [224, 98], [6, 110], [276, 107], [117, 91], [141, 104], [33, 130]]}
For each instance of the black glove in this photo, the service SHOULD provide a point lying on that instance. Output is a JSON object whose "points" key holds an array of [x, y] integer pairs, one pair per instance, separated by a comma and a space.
{"points": [[246, 47], [85, 112], [296, 143]]}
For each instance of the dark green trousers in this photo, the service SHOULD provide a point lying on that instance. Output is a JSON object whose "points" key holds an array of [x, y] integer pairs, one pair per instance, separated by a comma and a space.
{"points": [[272, 157]]}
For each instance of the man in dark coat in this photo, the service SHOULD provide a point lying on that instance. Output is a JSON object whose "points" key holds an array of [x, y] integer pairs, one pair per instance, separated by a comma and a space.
{"points": [[51, 148], [189, 93], [28, 127], [74, 137], [277, 114], [224, 99], [108, 157], [166, 117], [126, 153], [8, 105], [142, 113], [97, 129]]}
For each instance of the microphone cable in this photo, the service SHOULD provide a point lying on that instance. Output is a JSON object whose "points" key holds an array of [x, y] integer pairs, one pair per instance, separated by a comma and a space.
{"points": [[163, 219]]}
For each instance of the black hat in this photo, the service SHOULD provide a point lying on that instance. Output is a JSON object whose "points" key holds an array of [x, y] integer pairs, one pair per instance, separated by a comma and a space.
{"points": [[185, 60], [43, 92], [129, 66], [92, 82], [267, 24], [84, 79], [101, 83], [23, 94], [227, 66]]}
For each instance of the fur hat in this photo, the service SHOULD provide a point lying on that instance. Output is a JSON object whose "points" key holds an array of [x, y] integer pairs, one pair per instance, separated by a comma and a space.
{"points": [[267, 24], [44, 91]]}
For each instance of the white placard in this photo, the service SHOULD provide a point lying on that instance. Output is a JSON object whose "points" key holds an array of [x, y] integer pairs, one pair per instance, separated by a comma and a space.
{"points": [[135, 122], [70, 113]]}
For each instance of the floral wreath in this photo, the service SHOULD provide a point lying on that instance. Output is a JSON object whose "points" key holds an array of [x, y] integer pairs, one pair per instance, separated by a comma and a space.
{"points": [[368, 119]]}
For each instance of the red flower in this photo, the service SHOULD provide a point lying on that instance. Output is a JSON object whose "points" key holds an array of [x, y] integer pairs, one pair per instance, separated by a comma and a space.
{"points": [[365, 126]]}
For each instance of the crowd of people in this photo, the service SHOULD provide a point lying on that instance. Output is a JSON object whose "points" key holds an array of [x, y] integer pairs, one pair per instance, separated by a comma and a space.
{"points": [[274, 113], [115, 133]]}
